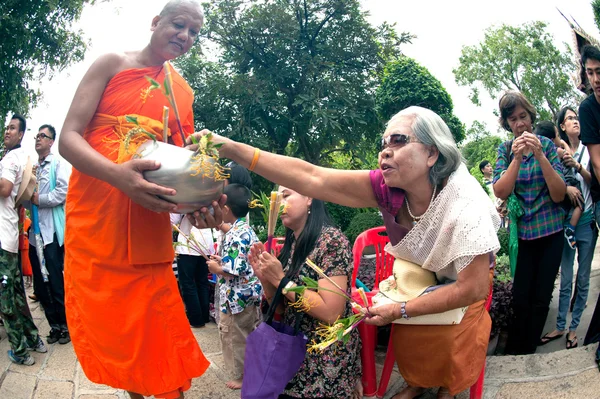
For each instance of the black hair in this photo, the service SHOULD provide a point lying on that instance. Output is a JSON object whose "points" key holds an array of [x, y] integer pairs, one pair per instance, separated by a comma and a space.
{"points": [[546, 129], [317, 219], [560, 119], [483, 164], [589, 52], [50, 128], [22, 123], [238, 197], [239, 175]]}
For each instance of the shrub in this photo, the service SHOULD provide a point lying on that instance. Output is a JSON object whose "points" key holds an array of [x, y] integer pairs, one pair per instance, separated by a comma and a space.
{"points": [[503, 238], [501, 309], [361, 222], [341, 215]]}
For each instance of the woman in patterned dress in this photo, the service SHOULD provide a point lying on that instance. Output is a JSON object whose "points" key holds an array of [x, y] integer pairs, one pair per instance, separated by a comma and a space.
{"points": [[335, 372]]}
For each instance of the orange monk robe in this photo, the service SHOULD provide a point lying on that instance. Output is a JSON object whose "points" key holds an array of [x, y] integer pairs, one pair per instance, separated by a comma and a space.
{"points": [[125, 315], [24, 225]]}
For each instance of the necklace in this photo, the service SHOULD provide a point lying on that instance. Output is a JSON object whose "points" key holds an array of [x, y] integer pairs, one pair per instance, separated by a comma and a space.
{"points": [[417, 218]]}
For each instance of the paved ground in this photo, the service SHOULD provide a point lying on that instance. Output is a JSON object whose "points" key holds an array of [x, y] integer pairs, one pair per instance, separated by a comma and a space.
{"points": [[551, 373]]}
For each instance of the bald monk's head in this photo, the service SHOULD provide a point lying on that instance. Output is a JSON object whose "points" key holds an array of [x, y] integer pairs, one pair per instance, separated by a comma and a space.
{"points": [[176, 28], [173, 5]]}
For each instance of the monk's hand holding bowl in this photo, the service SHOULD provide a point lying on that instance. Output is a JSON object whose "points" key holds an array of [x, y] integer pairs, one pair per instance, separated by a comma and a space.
{"points": [[203, 218], [384, 314], [131, 181]]}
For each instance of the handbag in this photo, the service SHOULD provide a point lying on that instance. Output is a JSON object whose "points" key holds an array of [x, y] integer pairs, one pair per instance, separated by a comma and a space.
{"points": [[274, 354], [410, 281]]}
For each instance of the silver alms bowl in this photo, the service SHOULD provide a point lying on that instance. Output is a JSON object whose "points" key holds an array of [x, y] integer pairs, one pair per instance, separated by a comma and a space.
{"points": [[193, 192]]}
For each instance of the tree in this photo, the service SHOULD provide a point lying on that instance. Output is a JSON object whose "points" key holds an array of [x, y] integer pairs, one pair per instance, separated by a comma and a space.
{"points": [[596, 10], [37, 41], [519, 58], [407, 83], [481, 145], [296, 77]]}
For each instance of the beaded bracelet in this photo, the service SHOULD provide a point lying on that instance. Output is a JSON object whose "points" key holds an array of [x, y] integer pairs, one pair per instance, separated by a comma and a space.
{"points": [[403, 311]]}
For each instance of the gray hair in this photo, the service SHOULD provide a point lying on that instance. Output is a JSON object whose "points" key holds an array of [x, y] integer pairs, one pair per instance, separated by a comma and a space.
{"points": [[172, 5], [430, 129]]}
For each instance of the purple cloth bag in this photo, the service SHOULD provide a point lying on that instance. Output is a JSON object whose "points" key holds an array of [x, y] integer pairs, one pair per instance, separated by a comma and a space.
{"points": [[274, 354]]}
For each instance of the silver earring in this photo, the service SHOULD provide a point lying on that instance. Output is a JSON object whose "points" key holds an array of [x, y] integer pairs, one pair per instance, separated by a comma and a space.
{"points": [[309, 211]]}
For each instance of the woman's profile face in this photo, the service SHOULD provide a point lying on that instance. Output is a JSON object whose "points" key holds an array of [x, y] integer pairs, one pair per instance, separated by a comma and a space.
{"points": [[295, 208], [570, 124], [519, 121]]}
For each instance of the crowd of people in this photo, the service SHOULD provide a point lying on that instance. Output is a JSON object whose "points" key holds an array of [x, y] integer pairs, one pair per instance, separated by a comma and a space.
{"points": [[118, 237]]}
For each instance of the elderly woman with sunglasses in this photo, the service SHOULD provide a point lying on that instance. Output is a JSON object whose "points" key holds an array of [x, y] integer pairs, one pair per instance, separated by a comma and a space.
{"points": [[436, 216]]}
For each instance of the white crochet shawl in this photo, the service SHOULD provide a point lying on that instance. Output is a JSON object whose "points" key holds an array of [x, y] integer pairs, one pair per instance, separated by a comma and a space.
{"points": [[459, 224]]}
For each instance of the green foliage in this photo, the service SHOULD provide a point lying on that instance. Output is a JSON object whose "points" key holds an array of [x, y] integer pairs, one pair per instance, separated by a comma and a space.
{"points": [[37, 41], [360, 222], [481, 146], [341, 215], [407, 83], [503, 268], [520, 58], [294, 77], [596, 10], [503, 238]]}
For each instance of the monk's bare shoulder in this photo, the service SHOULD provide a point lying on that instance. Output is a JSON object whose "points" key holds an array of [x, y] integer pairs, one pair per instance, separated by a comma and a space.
{"points": [[108, 65]]}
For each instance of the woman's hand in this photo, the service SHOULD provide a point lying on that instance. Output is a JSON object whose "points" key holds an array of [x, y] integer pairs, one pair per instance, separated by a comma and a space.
{"points": [[266, 266], [575, 196], [568, 161], [216, 139], [384, 314], [131, 181], [533, 142], [518, 148]]}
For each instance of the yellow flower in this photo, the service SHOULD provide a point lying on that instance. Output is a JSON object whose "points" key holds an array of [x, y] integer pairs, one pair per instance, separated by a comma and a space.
{"points": [[255, 204]]}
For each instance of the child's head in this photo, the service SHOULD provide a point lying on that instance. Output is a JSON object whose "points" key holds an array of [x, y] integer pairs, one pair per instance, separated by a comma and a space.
{"points": [[546, 129], [238, 197]]}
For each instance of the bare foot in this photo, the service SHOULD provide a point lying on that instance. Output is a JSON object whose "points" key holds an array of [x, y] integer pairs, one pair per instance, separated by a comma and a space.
{"points": [[234, 384], [443, 393], [358, 390], [409, 393]]}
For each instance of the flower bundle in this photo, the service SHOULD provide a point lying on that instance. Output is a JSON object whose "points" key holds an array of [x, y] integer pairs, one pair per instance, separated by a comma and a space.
{"points": [[192, 243], [338, 331]]}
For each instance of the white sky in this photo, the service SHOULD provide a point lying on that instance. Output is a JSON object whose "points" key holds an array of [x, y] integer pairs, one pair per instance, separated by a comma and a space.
{"points": [[442, 27]]}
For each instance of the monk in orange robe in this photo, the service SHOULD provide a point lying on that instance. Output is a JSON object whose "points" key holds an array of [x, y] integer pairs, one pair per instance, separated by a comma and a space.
{"points": [[126, 318]]}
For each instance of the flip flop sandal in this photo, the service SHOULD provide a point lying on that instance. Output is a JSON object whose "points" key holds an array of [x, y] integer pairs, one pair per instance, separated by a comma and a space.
{"points": [[546, 338], [571, 343]]}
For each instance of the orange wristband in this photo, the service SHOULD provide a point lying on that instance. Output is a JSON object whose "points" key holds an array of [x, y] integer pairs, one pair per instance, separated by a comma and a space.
{"points": [[254, 159]]}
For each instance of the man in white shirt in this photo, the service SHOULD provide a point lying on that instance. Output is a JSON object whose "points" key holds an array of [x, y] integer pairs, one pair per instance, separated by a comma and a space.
{"points": [[21, 331], [52, 180]]}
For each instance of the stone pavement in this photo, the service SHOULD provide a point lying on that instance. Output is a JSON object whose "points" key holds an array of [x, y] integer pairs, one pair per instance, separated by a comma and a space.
{"points": [[553, 372], [58, 375]]}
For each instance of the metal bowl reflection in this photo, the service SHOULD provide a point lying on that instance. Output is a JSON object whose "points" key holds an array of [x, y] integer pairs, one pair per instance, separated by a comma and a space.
{"points": [[193, 192]]}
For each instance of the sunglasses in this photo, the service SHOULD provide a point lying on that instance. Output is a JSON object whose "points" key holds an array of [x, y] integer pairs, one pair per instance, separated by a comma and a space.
{"points": [[396, 140], [40, 136]]}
